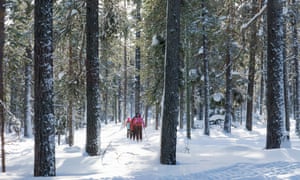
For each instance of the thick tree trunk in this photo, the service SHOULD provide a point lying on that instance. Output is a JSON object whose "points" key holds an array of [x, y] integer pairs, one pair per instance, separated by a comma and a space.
{"points": [[171, 85], [276, 134], [44, 121], [92, 80]]}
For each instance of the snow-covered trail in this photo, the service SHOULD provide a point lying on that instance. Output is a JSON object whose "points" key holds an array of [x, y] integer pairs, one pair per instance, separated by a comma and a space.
{"points": [[119, 157], [240, 155]]}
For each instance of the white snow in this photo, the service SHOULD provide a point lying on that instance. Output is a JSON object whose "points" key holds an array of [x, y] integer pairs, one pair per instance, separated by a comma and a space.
{"points": [[201, 50], [155, 41], [60, 75], [239, 155], [74, 12], [218, 96]]}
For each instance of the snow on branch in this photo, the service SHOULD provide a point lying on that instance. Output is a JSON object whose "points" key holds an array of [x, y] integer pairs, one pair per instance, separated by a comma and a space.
{"points": [[246, 25]]}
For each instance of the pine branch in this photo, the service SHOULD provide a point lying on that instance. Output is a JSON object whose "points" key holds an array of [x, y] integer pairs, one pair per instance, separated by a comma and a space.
{"points": [[253, 19]]}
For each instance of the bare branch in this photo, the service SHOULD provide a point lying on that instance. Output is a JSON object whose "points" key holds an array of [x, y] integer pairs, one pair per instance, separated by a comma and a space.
{"points": [[253, 19]]}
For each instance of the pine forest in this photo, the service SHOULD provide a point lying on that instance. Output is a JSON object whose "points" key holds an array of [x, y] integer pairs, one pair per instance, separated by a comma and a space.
{"points": [[179, 65]]}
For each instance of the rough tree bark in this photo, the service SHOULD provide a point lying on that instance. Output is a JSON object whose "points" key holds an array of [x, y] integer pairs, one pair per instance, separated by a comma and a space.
{"points": [[44, 121], [92, 79], [171, 85], [276, 134]]}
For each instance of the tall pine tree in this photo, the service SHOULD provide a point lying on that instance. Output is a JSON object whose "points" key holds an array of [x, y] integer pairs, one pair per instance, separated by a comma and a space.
{"points": [[44, 121], [171, 85], [92, 79], [276, 133], [2, 120]]}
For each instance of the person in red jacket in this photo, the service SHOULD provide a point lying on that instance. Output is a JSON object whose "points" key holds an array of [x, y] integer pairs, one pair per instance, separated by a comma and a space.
{"points": [[132, 129], [139, 124]]}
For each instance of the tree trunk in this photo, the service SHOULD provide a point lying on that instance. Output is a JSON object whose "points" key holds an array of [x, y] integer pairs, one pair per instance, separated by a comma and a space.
{"points": [[296, 62], [286, 78], [263, 64], [228, 74], [92, 79], [105, 95], [262, 79], [276, 134], [71, 94], [138, 58], [2, 119], [171, 85], [125, 113], [286, 96], [44, 121], [193, 106], [146, 114], [28, 78], [13, 102], [125, 31], [70, 124], [201, 107], [206, 72], [119, 96], [181, 107], [187, 95], [228, 94], [157, 107], [251, 75]]}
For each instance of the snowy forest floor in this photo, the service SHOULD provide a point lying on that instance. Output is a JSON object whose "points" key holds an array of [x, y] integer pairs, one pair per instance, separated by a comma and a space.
{"points": [[239, 155]]}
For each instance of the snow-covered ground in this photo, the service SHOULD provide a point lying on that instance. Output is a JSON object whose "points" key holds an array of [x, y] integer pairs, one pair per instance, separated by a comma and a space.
{"points": [[239, 155]]}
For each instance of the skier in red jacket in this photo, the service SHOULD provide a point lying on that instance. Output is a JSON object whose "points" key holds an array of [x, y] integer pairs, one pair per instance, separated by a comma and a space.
{"points": [[138, 124], [132, 129]]}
